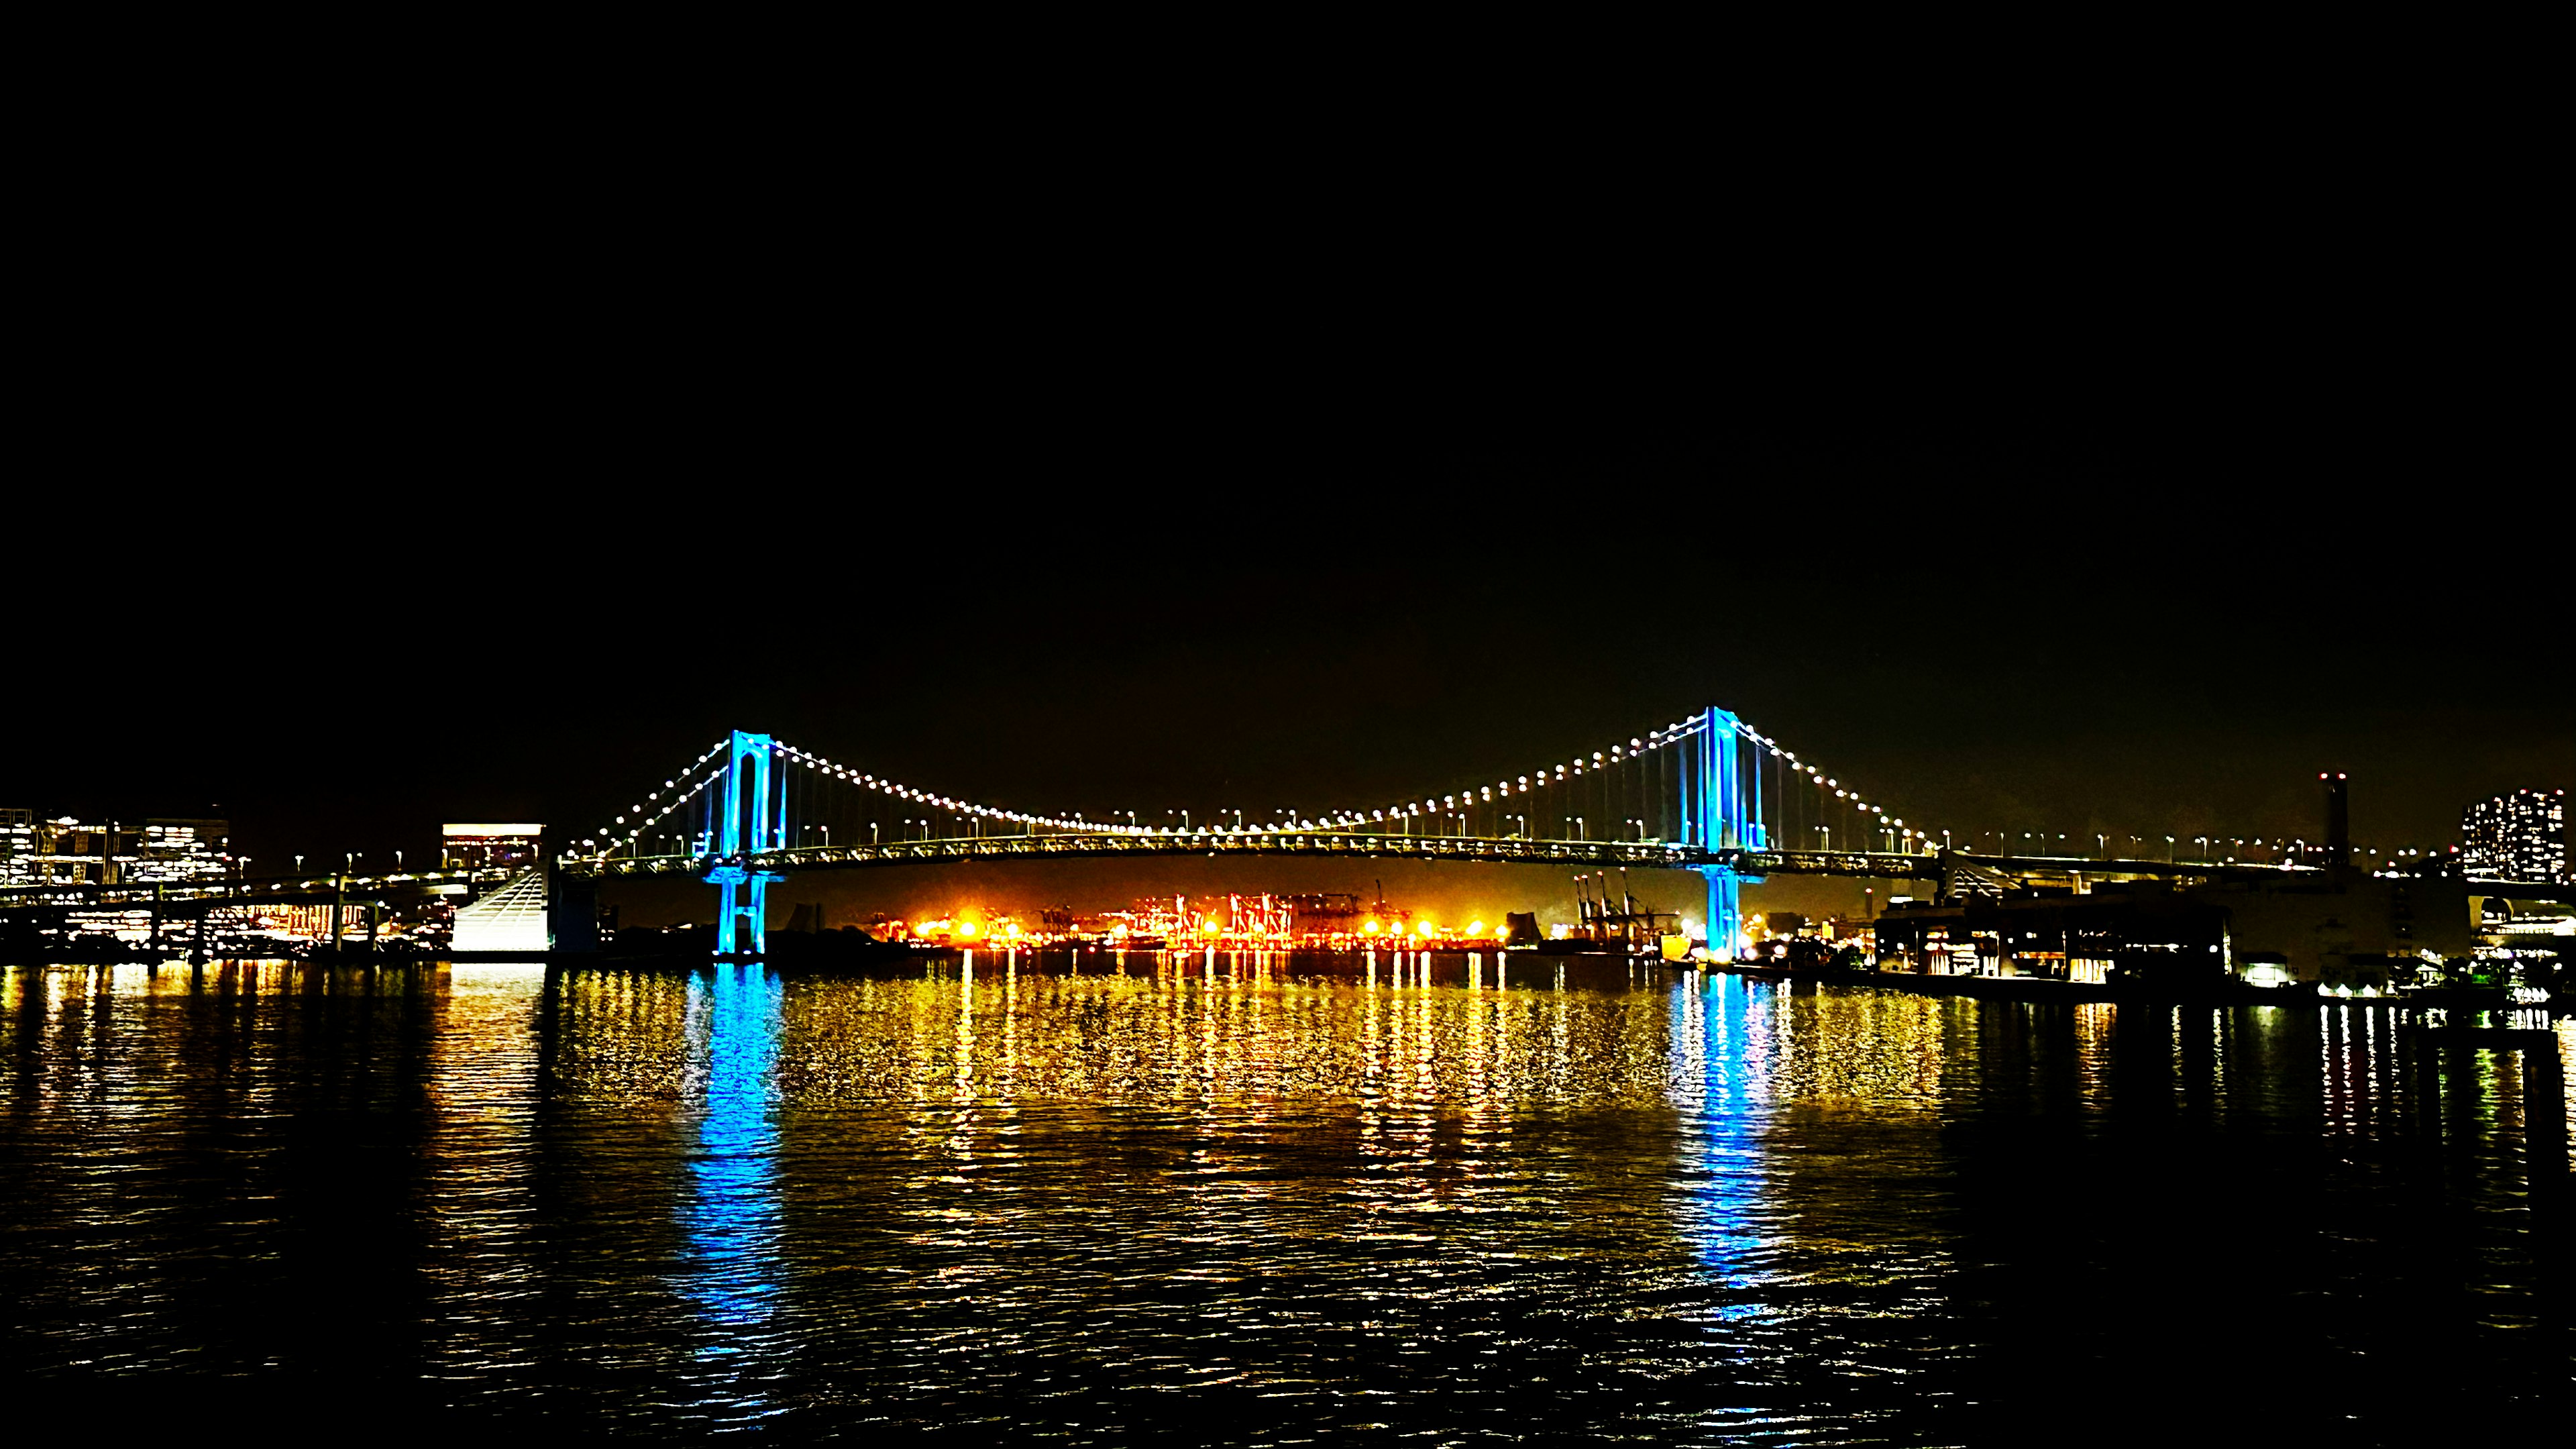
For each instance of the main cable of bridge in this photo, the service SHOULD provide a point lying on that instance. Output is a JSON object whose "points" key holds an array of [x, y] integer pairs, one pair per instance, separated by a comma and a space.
{"points": [[834, 770], [1648, 773], [608, 840], [1571, 778]]}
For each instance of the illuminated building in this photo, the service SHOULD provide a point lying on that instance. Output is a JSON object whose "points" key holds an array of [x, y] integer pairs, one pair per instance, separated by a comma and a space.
{"points": [[176, 850], [38, 851], [2521, 836], [18, 847], [489, 847], [2341, 930]]}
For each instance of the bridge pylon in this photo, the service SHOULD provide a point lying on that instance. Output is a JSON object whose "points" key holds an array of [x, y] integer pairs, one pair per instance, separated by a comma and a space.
{"points": [[1722, 808], [744, 887]]}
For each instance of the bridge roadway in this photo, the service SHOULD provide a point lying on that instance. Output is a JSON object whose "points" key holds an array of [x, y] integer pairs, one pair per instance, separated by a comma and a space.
{"points": [[1636, 854], [257, 890], [1645, 854]]}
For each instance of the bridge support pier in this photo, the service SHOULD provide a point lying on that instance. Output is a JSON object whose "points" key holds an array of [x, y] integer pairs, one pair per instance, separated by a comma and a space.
{"points": [[737, 840], [1725, 911], [1722, 805], [742, 891]]}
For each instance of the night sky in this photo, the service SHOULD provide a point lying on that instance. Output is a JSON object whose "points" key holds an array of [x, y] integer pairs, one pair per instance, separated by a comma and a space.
{"points": [[525, 582]]}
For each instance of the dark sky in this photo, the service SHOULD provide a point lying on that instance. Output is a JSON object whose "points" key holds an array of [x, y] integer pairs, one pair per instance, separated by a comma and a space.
{"points": [[1067, 541], [2096, 647]]}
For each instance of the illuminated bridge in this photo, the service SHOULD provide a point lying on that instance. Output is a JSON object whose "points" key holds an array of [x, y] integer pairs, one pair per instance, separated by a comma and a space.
{"points": [[1709, 794]]}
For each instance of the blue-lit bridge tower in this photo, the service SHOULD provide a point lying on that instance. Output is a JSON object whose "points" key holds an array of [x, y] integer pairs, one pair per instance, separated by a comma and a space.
{"points": [[1722, 805], [737, 842]]}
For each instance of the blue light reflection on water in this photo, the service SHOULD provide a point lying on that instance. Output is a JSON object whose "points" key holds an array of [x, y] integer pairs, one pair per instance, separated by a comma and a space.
{"points": [[1724, 1039], [730, 1219]]}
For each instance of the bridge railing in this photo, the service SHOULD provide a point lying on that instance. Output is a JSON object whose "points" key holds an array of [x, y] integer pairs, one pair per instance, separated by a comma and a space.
{"points": [[1654, 854], [1647, 854], [89, 895], [1874, 864]]}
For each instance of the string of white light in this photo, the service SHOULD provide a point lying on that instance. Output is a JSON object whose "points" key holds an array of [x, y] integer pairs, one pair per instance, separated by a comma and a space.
{"points": [[1616, 754], [1547, 775], [609, 832], [836, 771], [1822, 782], [1504, 790]]}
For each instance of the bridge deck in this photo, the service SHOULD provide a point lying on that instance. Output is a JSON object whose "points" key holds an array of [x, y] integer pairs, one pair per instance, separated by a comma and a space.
{"points": [[1642, 854], [1635, 854], [260, 890]]}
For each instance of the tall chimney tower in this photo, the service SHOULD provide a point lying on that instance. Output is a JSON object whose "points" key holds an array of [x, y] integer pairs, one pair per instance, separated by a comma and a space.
{"points": [[2338, 820]]}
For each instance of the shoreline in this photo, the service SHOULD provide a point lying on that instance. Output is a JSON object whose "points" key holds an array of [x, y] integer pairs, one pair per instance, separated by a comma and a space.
{"points": [[2041, 989], [802, 962]]}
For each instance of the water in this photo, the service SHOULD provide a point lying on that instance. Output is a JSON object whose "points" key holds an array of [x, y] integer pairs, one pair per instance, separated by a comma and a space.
{"points": [[1234, 1200]]}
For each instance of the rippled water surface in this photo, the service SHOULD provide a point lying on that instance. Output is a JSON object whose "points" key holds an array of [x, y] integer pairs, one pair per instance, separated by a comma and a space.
{"points": [[1239, 1200]]}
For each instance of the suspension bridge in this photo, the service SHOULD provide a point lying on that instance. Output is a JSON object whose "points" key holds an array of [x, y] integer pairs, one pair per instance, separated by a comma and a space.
{"points": [[1708, 794]]}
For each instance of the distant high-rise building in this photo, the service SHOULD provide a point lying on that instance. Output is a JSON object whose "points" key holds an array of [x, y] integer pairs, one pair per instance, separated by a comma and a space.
{"points": [[2521, 836]]}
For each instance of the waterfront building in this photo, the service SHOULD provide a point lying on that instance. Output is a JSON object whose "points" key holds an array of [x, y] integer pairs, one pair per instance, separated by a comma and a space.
{"points": [[18, 847], [2521, 836], [35, 850], [2340, 929], [182, 850]]}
